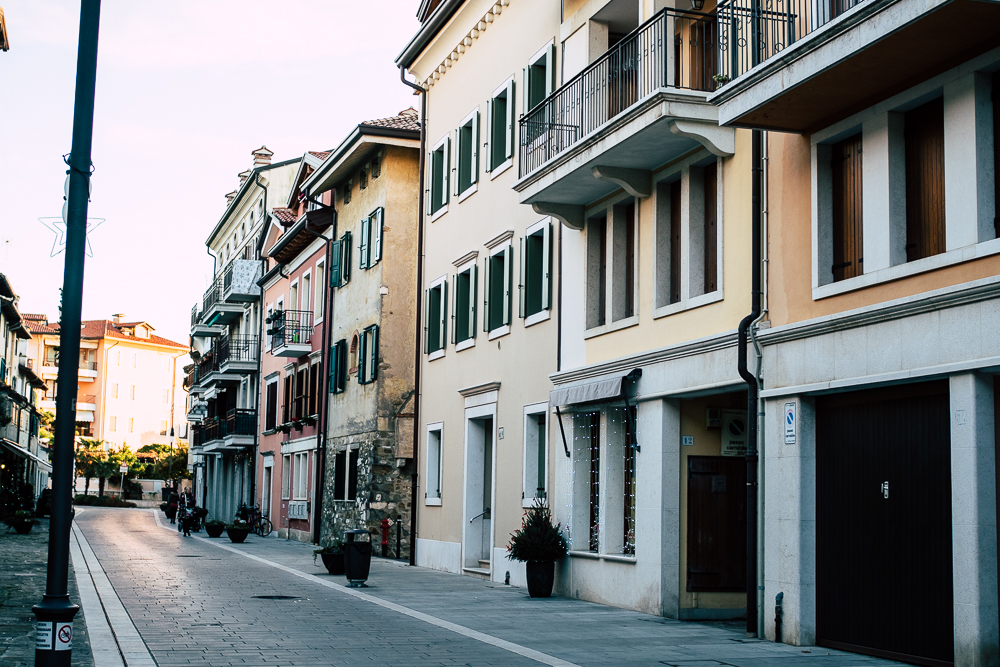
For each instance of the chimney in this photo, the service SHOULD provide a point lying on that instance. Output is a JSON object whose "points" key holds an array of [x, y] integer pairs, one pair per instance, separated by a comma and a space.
{"points": [[117, 318], [262, 157], [230, 197], [244, 176]]}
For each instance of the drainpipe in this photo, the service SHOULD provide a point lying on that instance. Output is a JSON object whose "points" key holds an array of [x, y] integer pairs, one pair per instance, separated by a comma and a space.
{"points": [[321, 419], [751, 381], [418, 331], [260, 355]]}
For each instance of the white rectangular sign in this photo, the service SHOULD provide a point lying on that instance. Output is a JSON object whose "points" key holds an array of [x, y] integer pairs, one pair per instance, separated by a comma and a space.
{"points": [[790, 426], [122, 468]]}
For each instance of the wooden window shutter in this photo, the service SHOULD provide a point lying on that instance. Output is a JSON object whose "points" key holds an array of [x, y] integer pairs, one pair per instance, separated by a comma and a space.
{"points": [[508, 281], [489, 134], [486, 295], [509, 152], [377, 226], [711, 191], [458, 163], [924, 140], [373, 354], [445, 176], [332, 366], [364, 243], [675, 242], [525, 74], [362, 357], [846, 189], [473, 296], [551, 80], [427, 320], [522, 288], [547, 266], [454, 308], [474, 161], [345, 259], [335, 253], [443, 331]]}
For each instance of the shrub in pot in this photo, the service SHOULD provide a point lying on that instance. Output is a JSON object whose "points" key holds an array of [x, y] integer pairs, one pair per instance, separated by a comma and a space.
{"points": [[21, 521], [538, 543], [215, 527], [238, 531], [333, 557]]}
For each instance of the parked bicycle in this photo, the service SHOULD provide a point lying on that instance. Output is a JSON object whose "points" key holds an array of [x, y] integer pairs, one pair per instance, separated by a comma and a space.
{"points": [[258, 523]]}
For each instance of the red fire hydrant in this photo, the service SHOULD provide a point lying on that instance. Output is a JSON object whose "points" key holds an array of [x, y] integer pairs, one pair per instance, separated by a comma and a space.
{"points": [[384, 523]]}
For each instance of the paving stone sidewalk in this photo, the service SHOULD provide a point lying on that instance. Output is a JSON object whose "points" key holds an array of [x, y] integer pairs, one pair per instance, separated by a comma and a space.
{"points": [[23, 560]]}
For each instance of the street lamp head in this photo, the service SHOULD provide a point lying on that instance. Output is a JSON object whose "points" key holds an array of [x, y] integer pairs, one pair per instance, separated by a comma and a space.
{"points": [[697, 5]]}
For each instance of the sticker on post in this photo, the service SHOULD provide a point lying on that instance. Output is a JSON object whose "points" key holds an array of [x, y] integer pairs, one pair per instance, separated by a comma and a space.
{"points": [[43, 635], [64, 636], [789, 423]]}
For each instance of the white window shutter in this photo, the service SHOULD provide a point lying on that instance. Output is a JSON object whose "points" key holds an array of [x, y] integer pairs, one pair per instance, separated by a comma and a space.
{"points": [[551, 78], [443, 331], [547, 266], [486, 296], [508, 280], [364, 244], [522, 288], [453, 173], [509, 152], [489, 135], [474, 162], [377, 243], [473, 296], [454, 308], [525, 73]]}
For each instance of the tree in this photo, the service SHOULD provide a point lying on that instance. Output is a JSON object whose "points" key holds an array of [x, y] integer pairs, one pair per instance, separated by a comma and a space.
{"points": [[45, 426], [89, 454]]}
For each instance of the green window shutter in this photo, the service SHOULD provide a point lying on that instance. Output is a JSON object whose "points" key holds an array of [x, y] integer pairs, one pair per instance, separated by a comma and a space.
{"points": [[373, 354], [473, 286], [342, 375], [509, 151], [547, 266], [332, 366], [445, 176], [428, 193], [522, 288], [486, 295], [474, 162], [364, 244], [362, 357], [458, 163], [335, 253], [443, 331], [489, 134], [454, 308], [345, 260], [551, 81], [508, 279], [525, 73], [377, 227], [427, 320]]}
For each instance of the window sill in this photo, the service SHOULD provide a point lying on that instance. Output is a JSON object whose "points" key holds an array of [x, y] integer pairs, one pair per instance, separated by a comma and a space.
{"points": [[468, 192], [534, 319], [438, 213], [614, 558], [690, 304], [432, 502], [527, 503], [502, 167], [949, 258], [465, 344], [435, 355], [614, 326], [271, 431], [499, 332]]}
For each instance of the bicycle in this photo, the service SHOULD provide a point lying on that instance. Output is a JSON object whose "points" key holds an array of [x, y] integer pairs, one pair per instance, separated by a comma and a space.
{"points": [[258, 523]]}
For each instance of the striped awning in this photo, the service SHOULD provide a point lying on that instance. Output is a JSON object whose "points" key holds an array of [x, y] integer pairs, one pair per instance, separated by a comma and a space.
{"points": [[84, 415]]}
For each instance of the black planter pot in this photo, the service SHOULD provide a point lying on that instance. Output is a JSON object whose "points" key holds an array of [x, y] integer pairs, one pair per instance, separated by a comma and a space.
{"points": [[541, 574], [334, 563], [237, 535], [23, 528], [214, 530]]}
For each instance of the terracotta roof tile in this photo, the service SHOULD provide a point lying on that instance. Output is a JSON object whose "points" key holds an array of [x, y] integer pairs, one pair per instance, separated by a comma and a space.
{"points": [[408, 119], [322, 155], [284, 215], [108, 329]]}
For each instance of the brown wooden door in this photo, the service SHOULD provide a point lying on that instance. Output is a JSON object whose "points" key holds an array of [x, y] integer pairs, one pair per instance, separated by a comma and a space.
{"points": [[845, 168], [716, 523], [924, 141], [883, 523]]}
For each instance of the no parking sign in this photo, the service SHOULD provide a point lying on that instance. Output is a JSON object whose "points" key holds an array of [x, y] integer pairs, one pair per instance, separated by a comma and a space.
{"points": [[790, 426]]}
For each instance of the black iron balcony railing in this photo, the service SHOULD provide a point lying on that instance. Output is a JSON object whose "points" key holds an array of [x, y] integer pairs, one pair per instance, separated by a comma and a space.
{"points": [[195, 314], [237, 348], [227, 278], [241, 422], [212, 295], [673, 49], [291, 327], [191, 379], [209, 363], [751, 31]]}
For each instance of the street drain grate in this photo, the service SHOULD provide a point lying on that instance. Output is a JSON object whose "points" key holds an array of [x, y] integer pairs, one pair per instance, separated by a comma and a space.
{"points": [[276, 597], [188, 556]]}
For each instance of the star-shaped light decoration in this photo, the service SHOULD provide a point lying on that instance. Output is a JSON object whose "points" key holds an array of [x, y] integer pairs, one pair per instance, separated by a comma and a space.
{"points": [[58, 227]]}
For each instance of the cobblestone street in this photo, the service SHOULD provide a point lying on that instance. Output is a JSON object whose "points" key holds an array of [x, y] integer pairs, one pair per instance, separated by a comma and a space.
{"points": [[196, 601]]}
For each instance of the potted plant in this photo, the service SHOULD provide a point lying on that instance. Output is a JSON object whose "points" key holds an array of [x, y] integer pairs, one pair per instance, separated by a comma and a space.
{"points": [[21, 521], [215, 527], [333, 557], [238, 531], [310, 420], [285, 428], [538, 544], [720, 80]]}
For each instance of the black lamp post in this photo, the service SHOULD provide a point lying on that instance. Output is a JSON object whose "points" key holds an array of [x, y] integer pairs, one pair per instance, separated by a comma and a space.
{"points": [[54, 627]]}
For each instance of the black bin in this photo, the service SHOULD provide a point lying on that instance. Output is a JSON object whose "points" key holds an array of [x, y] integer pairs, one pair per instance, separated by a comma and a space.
{"points": [[357, 557]]}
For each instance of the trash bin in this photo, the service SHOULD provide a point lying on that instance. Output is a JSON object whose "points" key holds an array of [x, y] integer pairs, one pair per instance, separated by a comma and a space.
{"points": [[357, 557]]}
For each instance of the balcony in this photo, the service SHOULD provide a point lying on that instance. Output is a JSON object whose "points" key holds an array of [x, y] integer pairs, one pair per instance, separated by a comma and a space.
{"points": [[799, 66], [215, 309], [239, 281], [232, 432], [291, 333], [199, 328], [640, 105], [238, 354], [86, 402]]}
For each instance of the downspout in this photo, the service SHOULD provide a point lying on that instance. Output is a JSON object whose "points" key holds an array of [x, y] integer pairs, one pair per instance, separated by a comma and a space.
{"points": [[321, 419], [418, 343], [751, 381], [260, 356]]}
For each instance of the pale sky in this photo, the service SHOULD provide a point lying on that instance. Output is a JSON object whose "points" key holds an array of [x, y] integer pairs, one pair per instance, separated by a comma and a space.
{"points": [[186, 89]]}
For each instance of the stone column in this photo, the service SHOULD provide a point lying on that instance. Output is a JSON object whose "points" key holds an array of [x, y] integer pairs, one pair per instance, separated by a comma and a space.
{"points": [[669, 458], [974, 521]]}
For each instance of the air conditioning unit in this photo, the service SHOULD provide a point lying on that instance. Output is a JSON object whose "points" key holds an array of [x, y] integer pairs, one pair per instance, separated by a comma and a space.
{"points": [[713, 418]]}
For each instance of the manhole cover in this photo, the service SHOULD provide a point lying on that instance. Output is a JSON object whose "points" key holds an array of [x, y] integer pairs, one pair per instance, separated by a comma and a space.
{"points": [[276, 597], [188, 556]]}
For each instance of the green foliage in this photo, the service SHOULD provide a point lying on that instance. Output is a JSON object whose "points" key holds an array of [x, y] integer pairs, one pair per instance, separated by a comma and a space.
{"points": [[101, 501], [46, 424], [537, 539], [239, 525], [336, 547], [21, 517]]}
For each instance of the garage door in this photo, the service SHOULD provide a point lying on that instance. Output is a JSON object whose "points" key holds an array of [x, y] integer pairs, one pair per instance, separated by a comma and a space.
{"points": [[883, 523]]}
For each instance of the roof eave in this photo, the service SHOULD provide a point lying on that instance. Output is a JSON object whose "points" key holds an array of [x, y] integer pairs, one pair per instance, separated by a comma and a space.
{"points": [[320, 177], [251, 180], [427, 32]]}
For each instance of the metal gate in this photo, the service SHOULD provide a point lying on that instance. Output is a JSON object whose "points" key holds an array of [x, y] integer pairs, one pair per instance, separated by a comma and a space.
{"points": [[883, 523]]}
